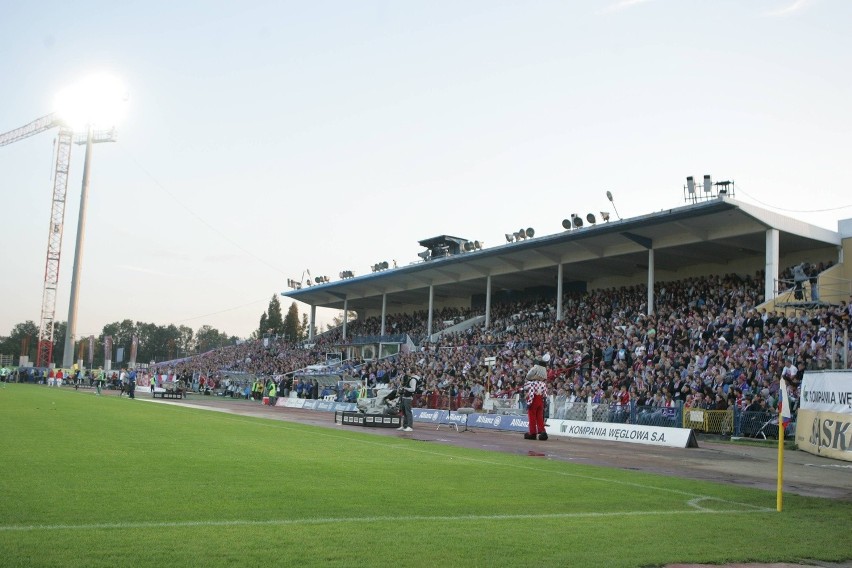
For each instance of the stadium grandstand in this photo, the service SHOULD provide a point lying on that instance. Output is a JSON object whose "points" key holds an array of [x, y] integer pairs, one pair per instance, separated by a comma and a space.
{"points": [[705, 306]]}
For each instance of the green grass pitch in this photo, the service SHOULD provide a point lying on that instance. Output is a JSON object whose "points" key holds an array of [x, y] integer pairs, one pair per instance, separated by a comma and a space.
{"points": [[106, 481]]}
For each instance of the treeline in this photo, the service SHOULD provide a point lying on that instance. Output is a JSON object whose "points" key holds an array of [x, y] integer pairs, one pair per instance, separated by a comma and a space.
{"points": [[154, 342]]}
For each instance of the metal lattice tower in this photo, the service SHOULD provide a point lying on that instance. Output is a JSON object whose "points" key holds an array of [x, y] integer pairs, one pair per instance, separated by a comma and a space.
{"points": [[44, 355], [64, 140]]}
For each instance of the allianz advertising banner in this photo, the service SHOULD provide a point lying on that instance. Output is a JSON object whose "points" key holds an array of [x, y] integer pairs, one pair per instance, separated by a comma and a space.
{"points": [[824, 422]]}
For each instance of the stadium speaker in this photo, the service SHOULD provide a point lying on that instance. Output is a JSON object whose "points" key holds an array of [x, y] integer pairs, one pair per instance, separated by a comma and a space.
{"points": [[690, 185], [605, 216], [424, 255], [566, 224], [590, 218], [708, 184], [530, 233]]}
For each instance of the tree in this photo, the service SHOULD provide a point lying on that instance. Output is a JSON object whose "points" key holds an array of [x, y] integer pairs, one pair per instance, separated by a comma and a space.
{"points": [[305, 328], [209, 338], [185, 340], [263, 329], [274, 320], [60, 328], [337, 320], [148, 342], [23, 340], [291, 323]]}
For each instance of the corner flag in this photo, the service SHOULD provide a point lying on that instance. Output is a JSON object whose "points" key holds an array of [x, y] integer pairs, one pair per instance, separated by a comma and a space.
{"points": [[784, 418], [784, 403]]}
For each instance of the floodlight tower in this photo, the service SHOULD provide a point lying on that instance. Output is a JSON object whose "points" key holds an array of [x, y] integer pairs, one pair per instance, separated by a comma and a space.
{"points": [[64, 140], [95, 100]]}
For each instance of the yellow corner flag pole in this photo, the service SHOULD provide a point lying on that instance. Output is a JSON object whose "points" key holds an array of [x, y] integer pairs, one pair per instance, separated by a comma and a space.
{"points": [[779, 500]]}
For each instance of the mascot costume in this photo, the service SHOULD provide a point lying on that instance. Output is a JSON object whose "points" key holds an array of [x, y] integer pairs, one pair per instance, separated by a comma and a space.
{"points": [[536, 391]]}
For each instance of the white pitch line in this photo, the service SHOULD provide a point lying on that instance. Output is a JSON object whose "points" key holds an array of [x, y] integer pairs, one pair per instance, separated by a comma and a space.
{"points": [[379, 519]]}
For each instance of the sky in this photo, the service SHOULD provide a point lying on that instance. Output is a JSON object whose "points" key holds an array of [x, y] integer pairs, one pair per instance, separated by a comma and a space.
{"points": [[262, 140]]}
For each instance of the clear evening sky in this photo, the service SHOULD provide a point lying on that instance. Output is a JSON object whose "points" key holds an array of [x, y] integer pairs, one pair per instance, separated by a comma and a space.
{"points": [[266, 138]]}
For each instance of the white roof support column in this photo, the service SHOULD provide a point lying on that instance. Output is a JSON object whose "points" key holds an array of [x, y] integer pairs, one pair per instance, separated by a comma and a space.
{"points": [[345, 315], [431, 303], [488, 301], [559, 292], [771, 264], [312, 324], [384, 311], [650, 281]]}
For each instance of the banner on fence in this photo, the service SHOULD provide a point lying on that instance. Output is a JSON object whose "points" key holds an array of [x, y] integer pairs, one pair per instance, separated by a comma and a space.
{"points": [[824, 421]]}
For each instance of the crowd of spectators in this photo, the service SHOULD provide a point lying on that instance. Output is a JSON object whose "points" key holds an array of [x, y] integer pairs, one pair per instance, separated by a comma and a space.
{"points": [[707, 345]]}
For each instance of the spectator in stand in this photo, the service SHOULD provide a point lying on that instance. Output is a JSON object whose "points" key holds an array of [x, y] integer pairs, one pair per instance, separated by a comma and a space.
{"points": [[352, 394]]}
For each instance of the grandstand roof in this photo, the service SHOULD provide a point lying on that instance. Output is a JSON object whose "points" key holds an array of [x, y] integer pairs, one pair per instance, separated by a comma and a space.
{"points": [[715, 231]]}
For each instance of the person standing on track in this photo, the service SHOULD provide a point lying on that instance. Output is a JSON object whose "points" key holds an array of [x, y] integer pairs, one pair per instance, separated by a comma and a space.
{"points": [[408, 388], [100, 381], [535, 390]]}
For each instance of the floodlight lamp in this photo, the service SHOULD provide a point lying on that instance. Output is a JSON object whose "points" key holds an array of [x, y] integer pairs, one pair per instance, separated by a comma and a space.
{"points": [[98, 101], [591, 218], [609, 195], [530, 232], [468, 246], [509, 238], [478, 244], [523, 233], [566, 224], [578, 221]]}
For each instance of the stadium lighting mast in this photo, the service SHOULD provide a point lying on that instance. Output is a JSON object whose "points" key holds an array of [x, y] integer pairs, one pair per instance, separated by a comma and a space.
{"points": [[94, 102]]}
